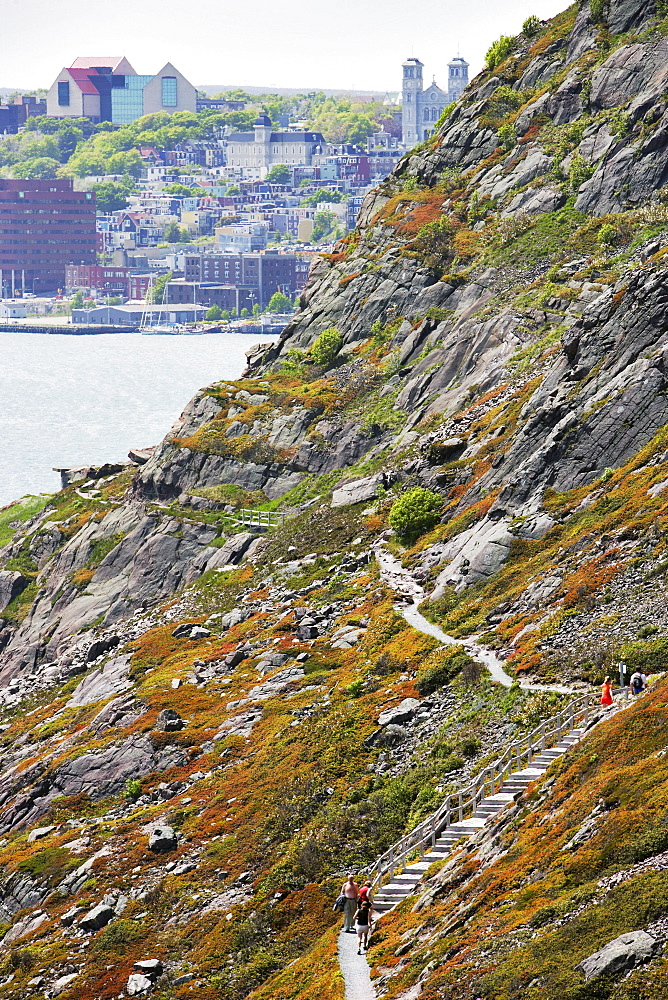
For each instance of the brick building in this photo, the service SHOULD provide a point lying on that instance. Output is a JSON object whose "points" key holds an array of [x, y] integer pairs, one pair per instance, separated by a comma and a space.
{"points": [[257, 275], [44, 226], [106, 279]]}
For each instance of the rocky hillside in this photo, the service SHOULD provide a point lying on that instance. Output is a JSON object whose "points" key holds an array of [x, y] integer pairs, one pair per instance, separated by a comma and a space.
{"points": [[203, 725]]}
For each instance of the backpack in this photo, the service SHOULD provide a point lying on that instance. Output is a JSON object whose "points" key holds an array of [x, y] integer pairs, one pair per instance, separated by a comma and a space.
{"points": [[637, 683]]}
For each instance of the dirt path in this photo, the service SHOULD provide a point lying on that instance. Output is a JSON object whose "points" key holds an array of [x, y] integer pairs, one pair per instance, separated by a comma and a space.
{"points": [[354, 969], [401, 582]]}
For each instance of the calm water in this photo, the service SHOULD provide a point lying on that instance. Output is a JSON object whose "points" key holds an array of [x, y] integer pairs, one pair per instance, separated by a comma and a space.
{"points": [[68, 400]]}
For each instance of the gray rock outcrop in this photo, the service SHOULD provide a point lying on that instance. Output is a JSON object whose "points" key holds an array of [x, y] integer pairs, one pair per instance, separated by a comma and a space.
{"points": [[624, 953]]}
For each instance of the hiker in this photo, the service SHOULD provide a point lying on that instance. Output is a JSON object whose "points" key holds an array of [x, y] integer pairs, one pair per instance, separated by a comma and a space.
{"points": [[365, 893], [363, 925], [637, 682], [606, 692], [350, 890]]}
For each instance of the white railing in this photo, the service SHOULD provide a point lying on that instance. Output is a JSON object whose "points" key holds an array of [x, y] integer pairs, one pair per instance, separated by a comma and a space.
{"points": [[258, 518], [464, 802]]}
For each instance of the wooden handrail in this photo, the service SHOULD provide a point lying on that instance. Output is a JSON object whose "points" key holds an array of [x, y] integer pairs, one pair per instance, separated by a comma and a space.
{"points": [[457, 805]]}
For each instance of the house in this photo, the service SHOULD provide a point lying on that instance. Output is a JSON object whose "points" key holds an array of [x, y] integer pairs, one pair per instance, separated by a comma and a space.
{"points": [[107, 89]]}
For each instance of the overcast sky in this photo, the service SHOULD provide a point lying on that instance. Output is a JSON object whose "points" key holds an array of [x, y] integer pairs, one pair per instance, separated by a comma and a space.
{"points": [[357, 44]]}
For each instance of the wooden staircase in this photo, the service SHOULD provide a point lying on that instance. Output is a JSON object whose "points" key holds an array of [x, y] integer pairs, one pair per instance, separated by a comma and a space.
{"points": [[466, 812]]}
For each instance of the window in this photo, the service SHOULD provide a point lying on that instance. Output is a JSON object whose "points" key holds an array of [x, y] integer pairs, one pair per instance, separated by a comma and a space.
{"points": [[169, 92], [63, 95], [426, 114], [408, 98]]}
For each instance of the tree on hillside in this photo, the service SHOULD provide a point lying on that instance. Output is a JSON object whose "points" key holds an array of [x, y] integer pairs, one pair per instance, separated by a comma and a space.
{"points": [[325, 227], [324, 194], [37, 167], [112, 196], [175, 234], [280, 173]]}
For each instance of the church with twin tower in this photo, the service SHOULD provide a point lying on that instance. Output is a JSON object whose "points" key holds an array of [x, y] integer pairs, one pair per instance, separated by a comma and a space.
{"points": [[421, 108]]}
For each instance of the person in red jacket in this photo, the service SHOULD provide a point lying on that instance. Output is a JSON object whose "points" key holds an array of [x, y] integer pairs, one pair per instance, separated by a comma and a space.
{"points": [[606, 692]]}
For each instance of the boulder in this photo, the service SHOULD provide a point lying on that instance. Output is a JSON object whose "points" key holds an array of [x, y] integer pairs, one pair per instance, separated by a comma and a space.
{"points": [[162, 839], [97, 918], [151, 967], [199, 632], [402, 712], [182, 630], [356, 492], [61, 984], [169, 721], [137, 983], [42, 831], [101, 646], [231, 552], [620, 955]]}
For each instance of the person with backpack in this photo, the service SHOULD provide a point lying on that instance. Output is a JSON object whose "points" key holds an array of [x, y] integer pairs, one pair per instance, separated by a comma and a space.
{"points": [[363, 925], [350, 892], [637, 682]]}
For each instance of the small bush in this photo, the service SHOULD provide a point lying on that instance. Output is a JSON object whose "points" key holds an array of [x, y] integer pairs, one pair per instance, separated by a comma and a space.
{"points": [[507, 136], [356, 688], [416, 511], [115, 938], [607, 235], [499, 51], [132, 789], [326, 347], [597, 9], [531, 26], [450, 662], [214, 313], [579, 172]]}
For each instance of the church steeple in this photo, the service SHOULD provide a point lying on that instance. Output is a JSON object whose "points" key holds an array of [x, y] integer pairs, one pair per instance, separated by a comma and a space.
{"points": [[411, 92]]}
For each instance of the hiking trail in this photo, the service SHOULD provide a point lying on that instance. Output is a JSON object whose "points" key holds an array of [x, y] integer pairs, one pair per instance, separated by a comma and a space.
{"points": [[402, 583]]}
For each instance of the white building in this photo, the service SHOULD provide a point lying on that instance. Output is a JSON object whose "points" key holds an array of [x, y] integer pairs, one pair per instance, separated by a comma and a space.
{"points": [[420, 108], [256, 152]]}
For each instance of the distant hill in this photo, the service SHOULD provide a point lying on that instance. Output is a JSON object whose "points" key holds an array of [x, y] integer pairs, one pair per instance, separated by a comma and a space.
{"points": [[291, 91]]}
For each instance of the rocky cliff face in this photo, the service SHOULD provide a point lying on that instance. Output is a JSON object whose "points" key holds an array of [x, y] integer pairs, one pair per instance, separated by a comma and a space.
{"points": [[501, 319]]}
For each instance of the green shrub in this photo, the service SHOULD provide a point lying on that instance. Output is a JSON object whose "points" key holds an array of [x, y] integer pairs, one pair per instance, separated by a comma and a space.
{"points": [[214, 313], [499, 51], [356, 688], [649, 657], [579, 172], [606, 235], [507, 136], [326, 347], [531, 26], [647, 844], [132, 788], [115, 938], [434, 677], [597, 9], [416, 511]]}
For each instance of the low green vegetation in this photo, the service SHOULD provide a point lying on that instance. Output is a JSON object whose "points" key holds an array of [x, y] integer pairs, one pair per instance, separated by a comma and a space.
{"points": [[325, 348], [17, 513], [415, 512]]}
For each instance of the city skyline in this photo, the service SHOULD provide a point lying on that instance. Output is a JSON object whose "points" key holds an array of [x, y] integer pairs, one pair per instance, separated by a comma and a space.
{"points": [[254, 54]]}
